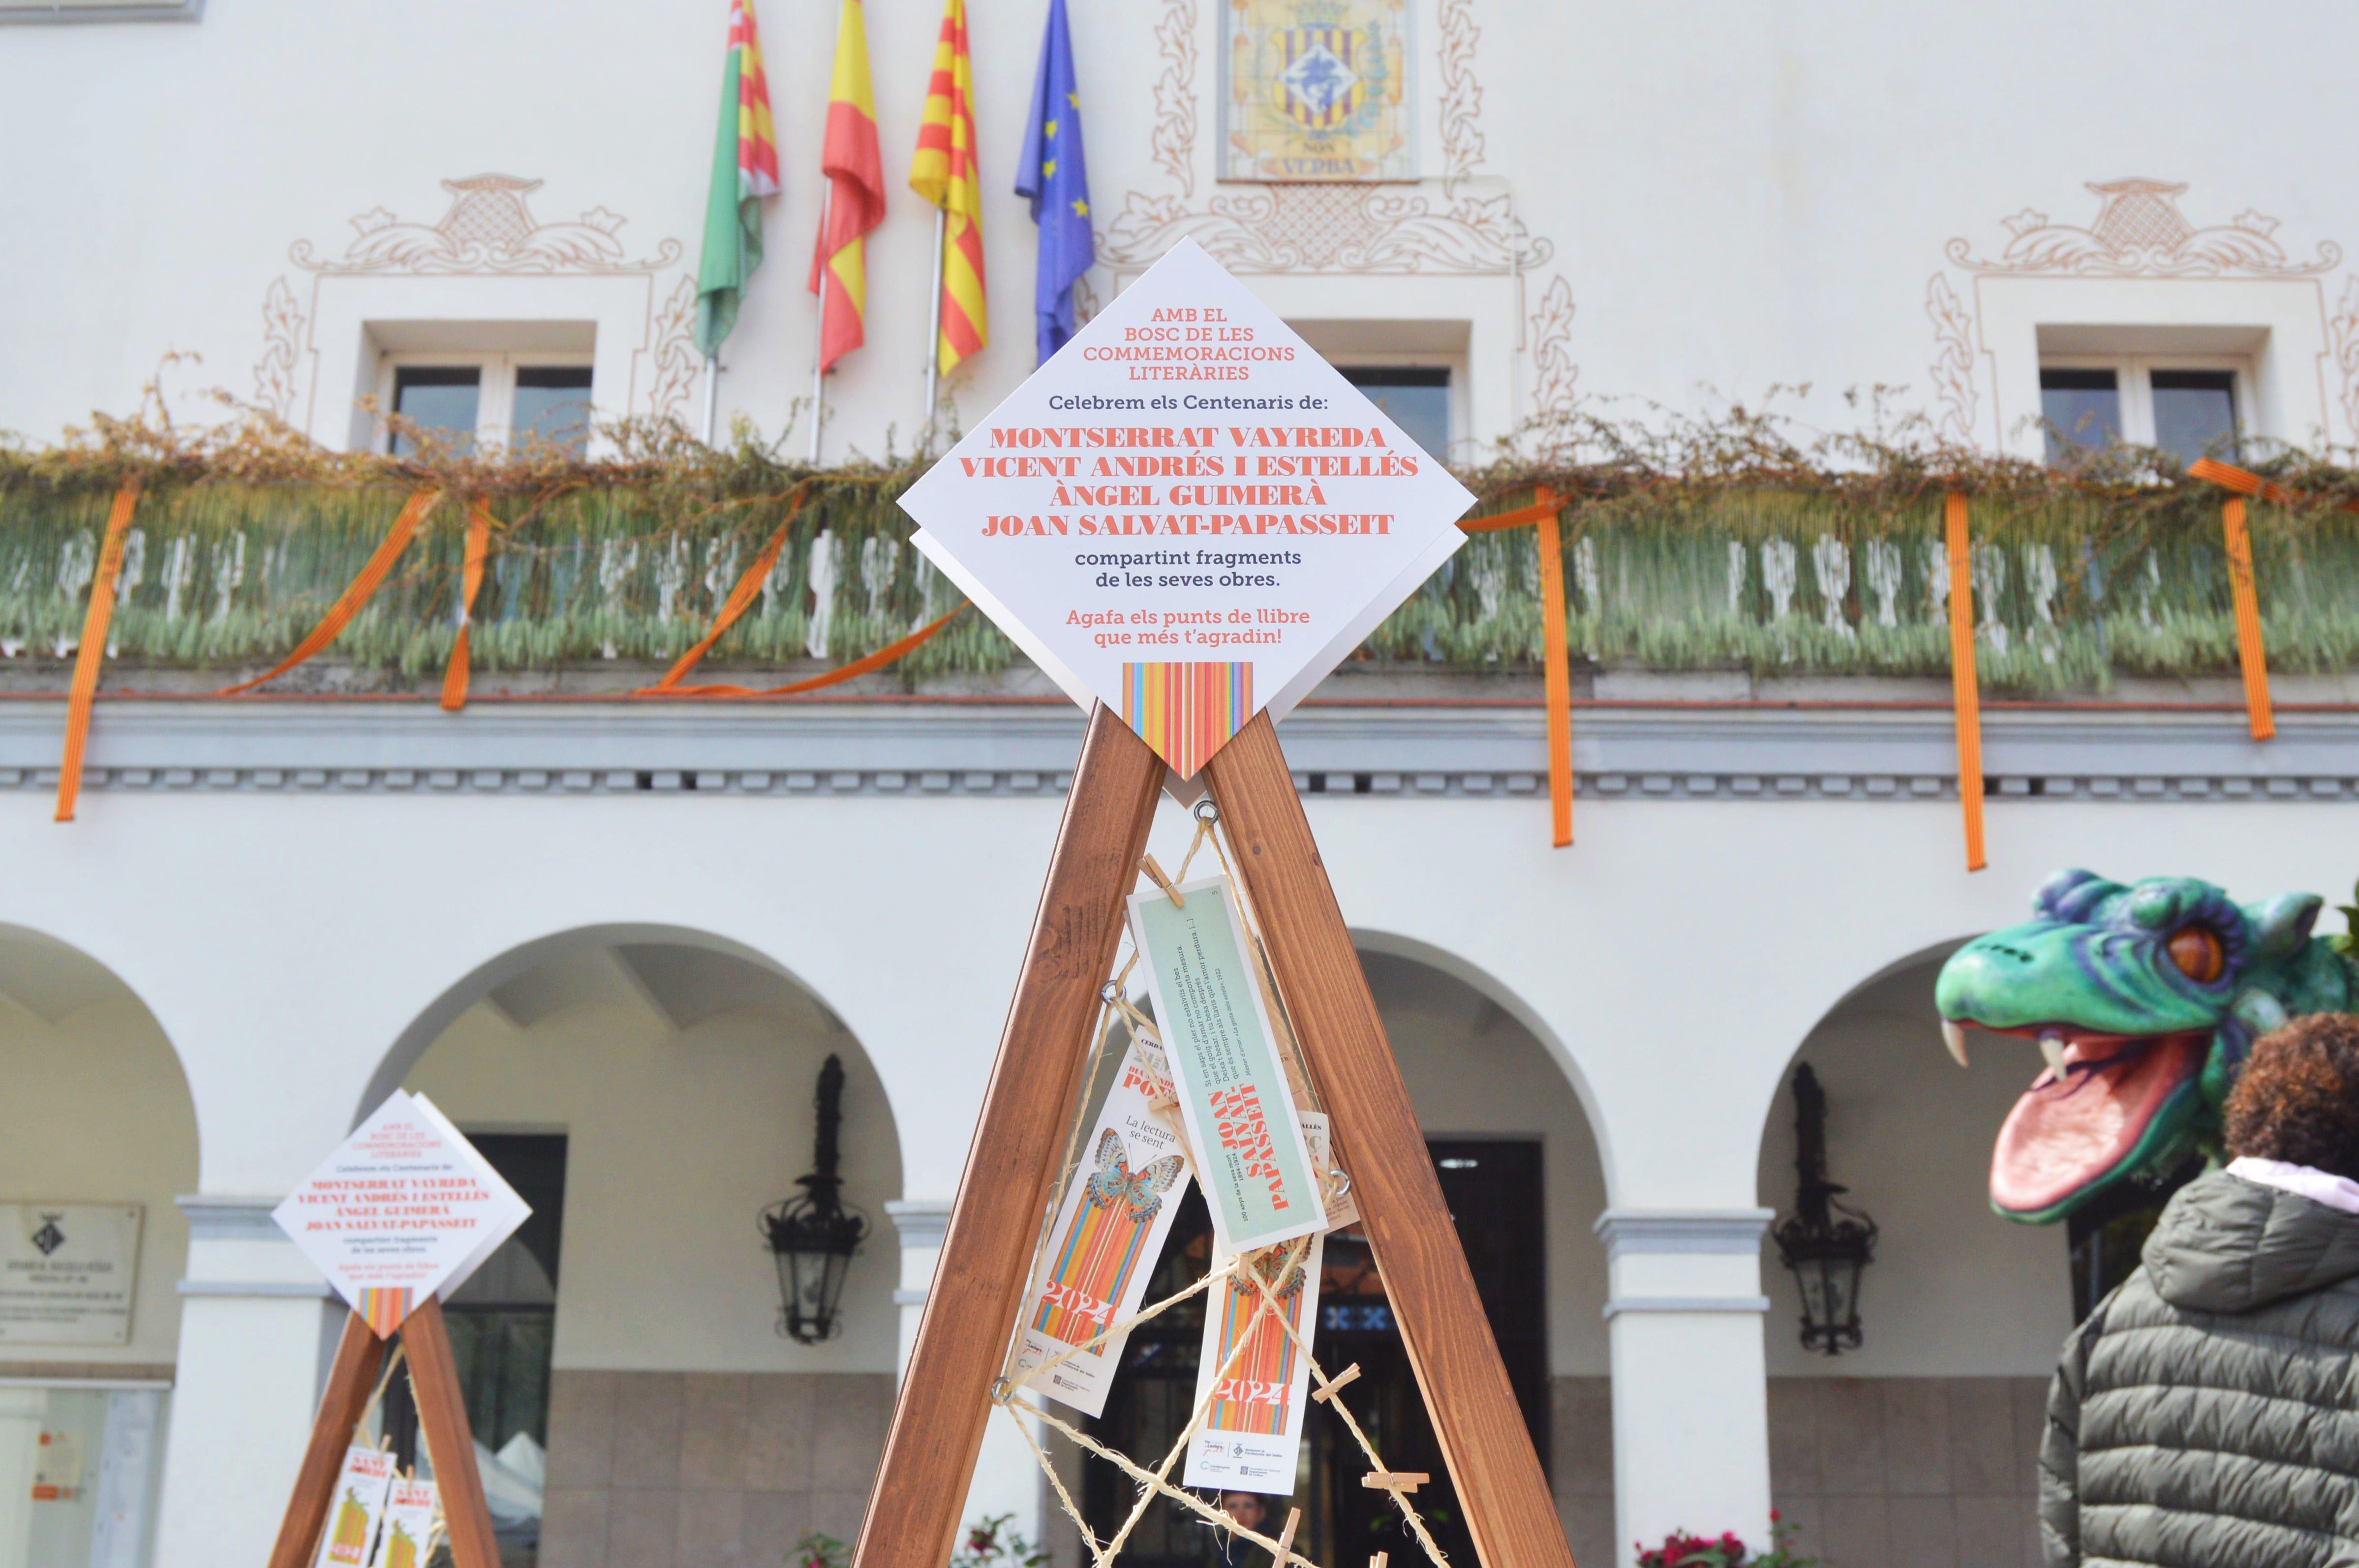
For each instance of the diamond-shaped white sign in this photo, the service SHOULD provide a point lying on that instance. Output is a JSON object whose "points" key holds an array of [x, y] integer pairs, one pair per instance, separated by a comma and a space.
{"points": [[403, 1208], [1187, 515]]}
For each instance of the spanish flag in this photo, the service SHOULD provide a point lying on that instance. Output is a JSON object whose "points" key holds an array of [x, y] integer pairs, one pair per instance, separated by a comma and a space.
{"points": [[744, 170], [944, 173], [855, 201]]}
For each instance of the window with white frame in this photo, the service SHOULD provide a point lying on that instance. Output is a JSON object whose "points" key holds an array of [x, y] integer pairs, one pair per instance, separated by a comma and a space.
{"points": [[2188, 405], [1415, 397], [465, 400]]}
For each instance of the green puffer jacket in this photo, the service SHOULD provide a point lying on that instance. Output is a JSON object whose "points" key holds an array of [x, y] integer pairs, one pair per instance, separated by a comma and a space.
{"points": [[2207, 1414]]}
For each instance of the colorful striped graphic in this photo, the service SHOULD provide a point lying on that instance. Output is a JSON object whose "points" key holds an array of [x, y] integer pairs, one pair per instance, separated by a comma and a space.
{"points": [[383, 1310], [855, 201], [944, 173], [1105, 1245], [1186, 712], [1252, 1397]]}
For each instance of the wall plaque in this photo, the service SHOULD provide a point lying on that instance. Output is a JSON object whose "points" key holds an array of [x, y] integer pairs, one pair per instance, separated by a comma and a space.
{"points": [[67, 1271], [1317, 89]]}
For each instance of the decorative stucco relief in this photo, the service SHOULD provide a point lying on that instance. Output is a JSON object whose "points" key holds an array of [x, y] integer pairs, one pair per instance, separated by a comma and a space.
{"points": [[2139, 232], [487, 232], [1462, 95], [1323, 228], [1174, 139], [671, 338], [1953, 368], [282, 347], [1555, 376], [1465, 225], [2342, 335]]}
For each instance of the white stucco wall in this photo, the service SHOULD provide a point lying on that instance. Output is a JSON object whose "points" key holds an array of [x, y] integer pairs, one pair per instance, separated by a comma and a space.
{"points": [[1734, 195], [1475, 1071], [93, 1109], [1669, 966], [1954, 1290], [676, 1139]]}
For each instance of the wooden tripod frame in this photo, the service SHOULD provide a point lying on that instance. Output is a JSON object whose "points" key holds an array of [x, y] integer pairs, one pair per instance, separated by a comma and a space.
{"points": [[441, 1416], [971, 1308]]}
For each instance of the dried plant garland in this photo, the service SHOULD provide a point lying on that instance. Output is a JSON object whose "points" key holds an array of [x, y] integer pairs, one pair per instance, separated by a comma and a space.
{"points": [[1729, 544]]}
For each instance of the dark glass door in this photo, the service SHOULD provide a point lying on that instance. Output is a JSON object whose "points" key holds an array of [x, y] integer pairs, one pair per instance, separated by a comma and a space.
{"points": [[1494, 1195], [503, 1323]]}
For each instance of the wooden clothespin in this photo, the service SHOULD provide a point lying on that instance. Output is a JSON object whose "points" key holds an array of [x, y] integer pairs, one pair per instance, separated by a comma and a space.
{"points": [[1402, 1481], [1155, 874], [1377, 1561], [1286, 1538], [1334, 1385]]}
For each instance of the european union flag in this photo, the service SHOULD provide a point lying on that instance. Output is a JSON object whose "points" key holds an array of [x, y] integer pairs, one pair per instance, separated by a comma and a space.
{"points": [[1056, 178]]}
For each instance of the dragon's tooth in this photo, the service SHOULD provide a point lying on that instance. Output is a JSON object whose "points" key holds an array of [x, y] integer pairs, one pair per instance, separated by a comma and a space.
{"points": [[1953, 1035], [2051, 1045]]}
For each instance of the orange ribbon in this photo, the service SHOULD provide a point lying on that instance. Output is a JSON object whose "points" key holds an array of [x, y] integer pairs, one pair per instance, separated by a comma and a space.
{"points": [[1556, 655], [1965, 690], [87, 657], [471, 577], [348, 603], [741, 597], [2252, 656], [861, 666]]}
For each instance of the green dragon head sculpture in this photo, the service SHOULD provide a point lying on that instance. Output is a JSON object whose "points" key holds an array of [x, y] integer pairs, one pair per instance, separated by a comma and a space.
{"points": [[2144, 1000]]}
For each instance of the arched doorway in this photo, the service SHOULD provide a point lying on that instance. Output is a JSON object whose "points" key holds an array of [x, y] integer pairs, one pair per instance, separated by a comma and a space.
{"points": [[98, 1137], [1929, 1431], [652, 1090], [1518, 1163]]}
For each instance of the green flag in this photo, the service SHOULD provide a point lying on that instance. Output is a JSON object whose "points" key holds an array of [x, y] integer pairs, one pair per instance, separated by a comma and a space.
{"points": [[744, 170]]}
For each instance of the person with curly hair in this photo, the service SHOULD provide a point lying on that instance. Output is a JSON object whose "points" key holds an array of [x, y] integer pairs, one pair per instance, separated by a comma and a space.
{"points": [[2208, 1411]]}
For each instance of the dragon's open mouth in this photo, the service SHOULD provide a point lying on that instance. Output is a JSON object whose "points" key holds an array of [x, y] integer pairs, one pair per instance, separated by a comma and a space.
{"points": [[2083, 1117]]}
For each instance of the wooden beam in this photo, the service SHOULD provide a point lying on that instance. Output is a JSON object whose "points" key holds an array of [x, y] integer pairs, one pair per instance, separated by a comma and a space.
{"points": [[359, 1355], [971, 1306], [443, 1417], [1483, 1440]]}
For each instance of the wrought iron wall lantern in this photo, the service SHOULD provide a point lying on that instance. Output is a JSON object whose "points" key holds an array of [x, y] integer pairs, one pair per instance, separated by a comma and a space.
{"points": [[1827, 1243], [812, 1237]]}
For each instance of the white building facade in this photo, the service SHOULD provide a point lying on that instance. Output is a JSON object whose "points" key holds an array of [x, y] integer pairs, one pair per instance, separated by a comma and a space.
{"points": [[640, 930]]}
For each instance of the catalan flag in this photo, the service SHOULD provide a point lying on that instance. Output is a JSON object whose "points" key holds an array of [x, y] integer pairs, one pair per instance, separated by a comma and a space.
{"points": [[944, 173], [744, 170], [855, 202]]}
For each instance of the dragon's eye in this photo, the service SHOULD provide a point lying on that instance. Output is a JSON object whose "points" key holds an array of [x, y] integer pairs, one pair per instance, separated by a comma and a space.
{"points": [[2196, 950]]}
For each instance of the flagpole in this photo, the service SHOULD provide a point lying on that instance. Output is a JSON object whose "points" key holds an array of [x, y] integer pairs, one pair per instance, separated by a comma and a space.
{"points": [[712, 393], [934, 328], [819, 352]]}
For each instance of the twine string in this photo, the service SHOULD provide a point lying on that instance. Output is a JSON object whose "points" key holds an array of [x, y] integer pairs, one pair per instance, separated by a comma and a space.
{"points": [[1115, 1007]]}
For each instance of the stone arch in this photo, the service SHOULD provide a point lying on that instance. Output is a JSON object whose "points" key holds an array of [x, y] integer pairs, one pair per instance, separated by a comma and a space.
{"points": [[536, 953], [1500, 995], [1963, 1311], [113, 1123], [679, 1065]]}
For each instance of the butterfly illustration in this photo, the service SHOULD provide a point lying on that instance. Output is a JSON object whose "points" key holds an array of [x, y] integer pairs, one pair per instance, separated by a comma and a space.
{"points": [[1112, 1183]]}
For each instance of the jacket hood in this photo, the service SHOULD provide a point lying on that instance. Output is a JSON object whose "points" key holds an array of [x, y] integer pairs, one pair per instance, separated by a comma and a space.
{"points": [[2225, 1244]]}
